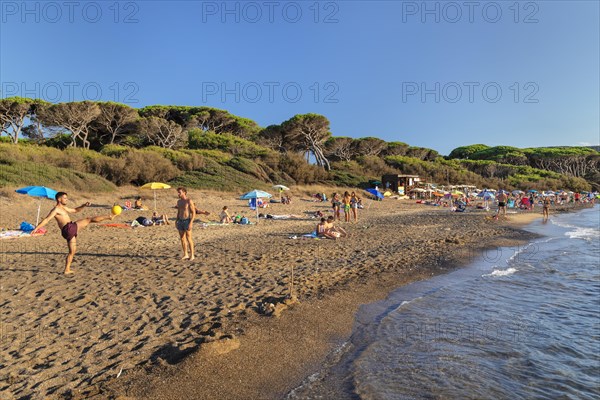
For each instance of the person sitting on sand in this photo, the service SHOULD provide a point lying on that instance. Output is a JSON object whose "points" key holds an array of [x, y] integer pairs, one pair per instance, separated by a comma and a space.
{"points": [[159, 220], [260, 203], [138, 204], [68, 228], [321, 227], [224, 217], [332, 231]]}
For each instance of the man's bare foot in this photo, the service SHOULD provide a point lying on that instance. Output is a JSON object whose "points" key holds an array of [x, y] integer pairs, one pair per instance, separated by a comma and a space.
{"points": [[185, 257], [192, 258], [67, 272]]}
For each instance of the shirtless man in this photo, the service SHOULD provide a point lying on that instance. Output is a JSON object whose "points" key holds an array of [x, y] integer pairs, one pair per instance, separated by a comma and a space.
{"points": [[186, 212], [69, 229], [502, 199]]}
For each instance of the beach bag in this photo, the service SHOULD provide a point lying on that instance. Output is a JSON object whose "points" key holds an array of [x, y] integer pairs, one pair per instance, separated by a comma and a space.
{"points": [[26, 227], [244, 221]]}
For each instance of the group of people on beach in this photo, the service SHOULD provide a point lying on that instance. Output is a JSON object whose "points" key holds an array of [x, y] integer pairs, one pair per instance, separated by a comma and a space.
{"points": [[186, 212], [349, 202]]}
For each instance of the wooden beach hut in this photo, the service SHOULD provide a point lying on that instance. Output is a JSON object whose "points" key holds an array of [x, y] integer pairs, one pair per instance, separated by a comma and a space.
{"points": [[400, 184]]}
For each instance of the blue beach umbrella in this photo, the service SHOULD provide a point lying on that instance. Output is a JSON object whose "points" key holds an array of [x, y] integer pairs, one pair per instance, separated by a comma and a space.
{"points": [[38, 191], [532, 191], [375, 193], [255, 194], [486, 195]]}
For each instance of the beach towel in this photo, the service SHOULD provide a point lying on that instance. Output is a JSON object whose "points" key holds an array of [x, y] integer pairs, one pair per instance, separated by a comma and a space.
{"points": [[285, 216], [115, 225], [14, 234], [312, 235]]}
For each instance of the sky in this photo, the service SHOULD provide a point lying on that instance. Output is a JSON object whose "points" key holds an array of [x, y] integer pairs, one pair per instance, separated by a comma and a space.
{"points": [[437, 74]]}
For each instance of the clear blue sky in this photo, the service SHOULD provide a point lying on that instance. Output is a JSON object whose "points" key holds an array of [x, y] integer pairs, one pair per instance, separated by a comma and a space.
{"points": [[425, 73]]}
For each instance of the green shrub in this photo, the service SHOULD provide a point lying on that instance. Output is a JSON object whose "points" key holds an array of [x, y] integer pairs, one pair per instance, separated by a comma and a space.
{"points": [[215, 155], [183, 160], [114, 150]]}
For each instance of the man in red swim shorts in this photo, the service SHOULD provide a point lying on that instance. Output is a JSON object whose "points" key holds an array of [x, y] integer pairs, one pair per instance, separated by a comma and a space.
{"points": [[68, 228]]}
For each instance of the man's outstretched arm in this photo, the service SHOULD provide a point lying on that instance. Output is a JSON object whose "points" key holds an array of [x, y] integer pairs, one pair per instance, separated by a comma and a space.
{"points": [[50, 215]]}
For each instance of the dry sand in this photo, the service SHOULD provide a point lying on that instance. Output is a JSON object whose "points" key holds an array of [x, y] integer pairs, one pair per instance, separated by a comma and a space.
{"points": [[123, 324]]}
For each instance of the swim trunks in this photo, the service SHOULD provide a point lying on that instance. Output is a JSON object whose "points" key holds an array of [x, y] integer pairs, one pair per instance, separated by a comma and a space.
{"points": [[501, 204], [183, 224], [69, 231], [346, 207]]}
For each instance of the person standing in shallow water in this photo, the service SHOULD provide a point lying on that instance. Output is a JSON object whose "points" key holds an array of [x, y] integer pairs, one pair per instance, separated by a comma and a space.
{"points": [[546, 209], [68, 228], [186, 212]]}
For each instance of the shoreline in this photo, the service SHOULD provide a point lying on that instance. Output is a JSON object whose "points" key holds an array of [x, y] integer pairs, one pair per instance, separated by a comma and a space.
{"points": [[276, 356]]}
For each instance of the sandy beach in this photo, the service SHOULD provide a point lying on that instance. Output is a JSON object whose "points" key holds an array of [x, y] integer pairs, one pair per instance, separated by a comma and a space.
{"points": [[135, 321]]}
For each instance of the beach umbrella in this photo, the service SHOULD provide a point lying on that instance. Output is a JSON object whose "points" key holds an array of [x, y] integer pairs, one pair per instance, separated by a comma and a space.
{"points": [[281, 187], [154, 186], [532, 191], [375, 193], [486, 195], [38, 191], [255, 194], [517, 192]]}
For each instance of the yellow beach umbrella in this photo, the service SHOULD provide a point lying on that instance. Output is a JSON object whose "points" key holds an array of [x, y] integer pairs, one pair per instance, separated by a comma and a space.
{"points": [[155, 186]]}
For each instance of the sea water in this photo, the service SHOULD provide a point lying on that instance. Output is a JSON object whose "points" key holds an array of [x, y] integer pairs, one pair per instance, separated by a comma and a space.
{"points": [[517, 323]]}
